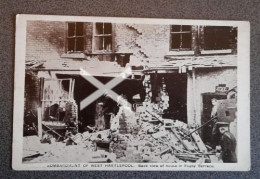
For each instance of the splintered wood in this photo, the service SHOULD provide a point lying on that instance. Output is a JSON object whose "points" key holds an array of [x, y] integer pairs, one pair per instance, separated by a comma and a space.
{"points": [[160, 143], [149, 142]]}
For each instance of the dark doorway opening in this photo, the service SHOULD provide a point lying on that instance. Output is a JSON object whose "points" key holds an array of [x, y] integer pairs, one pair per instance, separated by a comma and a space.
{"points": [[176, 86], [206, 131]]}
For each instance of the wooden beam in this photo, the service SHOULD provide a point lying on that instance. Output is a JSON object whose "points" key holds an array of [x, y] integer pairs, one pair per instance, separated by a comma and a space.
{"points": [[199, 142], [39, 114]]}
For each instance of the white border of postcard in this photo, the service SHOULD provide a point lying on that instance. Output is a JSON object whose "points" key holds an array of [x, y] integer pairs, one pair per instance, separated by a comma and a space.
{"points": [[243, 75]]}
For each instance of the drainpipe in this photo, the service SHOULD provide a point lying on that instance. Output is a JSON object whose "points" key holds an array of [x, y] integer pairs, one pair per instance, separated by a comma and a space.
{"points": [[194, 94]]}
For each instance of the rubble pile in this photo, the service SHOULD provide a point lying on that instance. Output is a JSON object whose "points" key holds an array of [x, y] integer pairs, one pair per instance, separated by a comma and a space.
{"points": [[158, 143], [140, 136], [161, 140]]}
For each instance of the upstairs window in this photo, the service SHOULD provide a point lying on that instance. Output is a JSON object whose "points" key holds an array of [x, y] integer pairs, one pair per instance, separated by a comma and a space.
{"points": [[75, 37], [218, 38], [181, 37], [103, 37]]}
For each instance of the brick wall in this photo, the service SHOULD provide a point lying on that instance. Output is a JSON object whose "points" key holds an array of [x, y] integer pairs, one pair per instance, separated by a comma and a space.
{"points": [[206, 81], [45, 40], [145, 41]]}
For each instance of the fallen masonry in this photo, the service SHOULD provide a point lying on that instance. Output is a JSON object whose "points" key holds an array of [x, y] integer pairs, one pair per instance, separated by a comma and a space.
{"points": [[152, 141]]}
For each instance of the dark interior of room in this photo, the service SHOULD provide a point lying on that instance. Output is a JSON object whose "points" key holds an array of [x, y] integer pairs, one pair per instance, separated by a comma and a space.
{"points": [[83, 88], [176, 86]]}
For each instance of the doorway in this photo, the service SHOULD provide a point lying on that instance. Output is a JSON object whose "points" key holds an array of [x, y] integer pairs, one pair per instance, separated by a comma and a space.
{"points": [[176, 87], [206, 131]]}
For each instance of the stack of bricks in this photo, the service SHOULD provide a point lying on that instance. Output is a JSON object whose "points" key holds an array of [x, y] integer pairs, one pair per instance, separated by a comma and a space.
{"points": [[147, 104], [148, 88], [162, 99], [123, 124]]}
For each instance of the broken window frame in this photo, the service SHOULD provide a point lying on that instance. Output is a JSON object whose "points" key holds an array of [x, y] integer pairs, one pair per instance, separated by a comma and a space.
{"points": [[75, 37], [102, 36], [56, 100], [181, 33]]}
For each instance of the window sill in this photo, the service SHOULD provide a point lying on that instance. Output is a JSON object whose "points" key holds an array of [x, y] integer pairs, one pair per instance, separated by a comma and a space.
{"points": [[208, 52], [107, 53], [187, 52], [73, 55]]}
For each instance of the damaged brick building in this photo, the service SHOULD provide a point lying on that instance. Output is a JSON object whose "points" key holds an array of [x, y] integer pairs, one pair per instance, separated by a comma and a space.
{"points": [[177, 68]]}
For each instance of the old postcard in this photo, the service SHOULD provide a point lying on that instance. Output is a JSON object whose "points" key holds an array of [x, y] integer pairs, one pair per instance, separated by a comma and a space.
{"points": [[105, 93]]}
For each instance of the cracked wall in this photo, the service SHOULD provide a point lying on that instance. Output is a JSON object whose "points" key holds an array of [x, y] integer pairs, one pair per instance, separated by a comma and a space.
{"points": [[146, 42]]}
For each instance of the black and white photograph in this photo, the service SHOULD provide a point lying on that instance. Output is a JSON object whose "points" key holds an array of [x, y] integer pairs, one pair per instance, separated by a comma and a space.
{"points": [[100, 93]]}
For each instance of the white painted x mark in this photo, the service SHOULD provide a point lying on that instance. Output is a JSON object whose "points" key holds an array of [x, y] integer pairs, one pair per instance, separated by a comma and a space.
{"points": [[102, 89]]}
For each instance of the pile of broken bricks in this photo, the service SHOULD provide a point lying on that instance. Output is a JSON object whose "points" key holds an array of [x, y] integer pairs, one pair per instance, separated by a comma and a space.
{"points": [[158, 143], [160, 140]]}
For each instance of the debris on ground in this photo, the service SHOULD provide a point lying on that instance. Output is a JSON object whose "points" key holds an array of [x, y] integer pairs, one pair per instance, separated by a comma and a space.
{"points": [[156, 140]]}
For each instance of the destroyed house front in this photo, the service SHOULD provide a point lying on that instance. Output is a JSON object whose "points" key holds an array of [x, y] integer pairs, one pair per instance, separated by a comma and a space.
{"points": [[134, 91]]}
